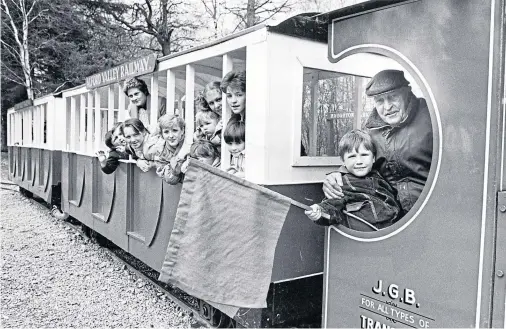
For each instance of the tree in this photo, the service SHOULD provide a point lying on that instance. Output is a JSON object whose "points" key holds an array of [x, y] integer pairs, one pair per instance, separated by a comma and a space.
{"points": [[64, 47], [213, 8], [257, 11], [167, 22], [17, 18]]}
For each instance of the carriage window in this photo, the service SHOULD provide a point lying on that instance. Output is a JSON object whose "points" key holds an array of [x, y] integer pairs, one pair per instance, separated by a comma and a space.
{"points": [[332, 104]]}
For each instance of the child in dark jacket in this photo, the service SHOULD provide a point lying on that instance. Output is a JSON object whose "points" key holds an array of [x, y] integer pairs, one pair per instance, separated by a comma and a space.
{"points": [[118, 149], [369, 202]]}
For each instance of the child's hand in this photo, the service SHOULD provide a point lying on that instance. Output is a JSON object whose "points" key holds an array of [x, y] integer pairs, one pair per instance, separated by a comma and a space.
{"points": [[232, 170], [315, 213], [184, 167], [198, 135], [101, 156], [173, 162], [143, 165]]}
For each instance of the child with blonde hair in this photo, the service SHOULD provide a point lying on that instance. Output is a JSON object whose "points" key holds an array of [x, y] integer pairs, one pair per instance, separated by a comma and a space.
{"points": [[166, 140], [208, 127], [165, 147]]}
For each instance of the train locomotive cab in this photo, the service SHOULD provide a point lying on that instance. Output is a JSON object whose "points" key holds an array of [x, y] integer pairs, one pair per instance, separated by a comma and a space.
{"points": [[436, 265]]}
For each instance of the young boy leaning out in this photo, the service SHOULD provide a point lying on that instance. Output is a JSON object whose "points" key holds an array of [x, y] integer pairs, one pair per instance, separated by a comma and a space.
{"points": [[367, 195]]}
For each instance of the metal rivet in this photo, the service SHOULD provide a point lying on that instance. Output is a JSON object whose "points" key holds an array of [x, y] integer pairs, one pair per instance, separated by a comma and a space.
{"points": [[502, 208], [500, 273]]}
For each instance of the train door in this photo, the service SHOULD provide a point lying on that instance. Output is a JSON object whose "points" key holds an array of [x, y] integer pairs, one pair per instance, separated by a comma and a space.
{"points": [[442, 264]]}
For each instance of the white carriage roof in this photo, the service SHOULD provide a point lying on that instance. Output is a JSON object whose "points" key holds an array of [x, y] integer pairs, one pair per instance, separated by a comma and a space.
{"points": [[307, 25]]}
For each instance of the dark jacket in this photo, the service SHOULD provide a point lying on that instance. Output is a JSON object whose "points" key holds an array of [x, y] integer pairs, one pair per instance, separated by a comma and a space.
{"points": [[112, 161], [404, 153], [370, 198]]}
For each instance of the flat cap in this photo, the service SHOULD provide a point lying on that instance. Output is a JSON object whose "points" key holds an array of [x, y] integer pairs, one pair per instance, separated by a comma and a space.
{"points": [[385, 81]]}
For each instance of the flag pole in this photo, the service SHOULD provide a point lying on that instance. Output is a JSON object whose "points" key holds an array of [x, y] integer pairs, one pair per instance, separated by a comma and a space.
{"points": [[327, 216]]}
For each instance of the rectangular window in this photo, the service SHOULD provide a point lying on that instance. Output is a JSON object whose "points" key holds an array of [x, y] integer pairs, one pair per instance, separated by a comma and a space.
{"points": [[332, 104]]}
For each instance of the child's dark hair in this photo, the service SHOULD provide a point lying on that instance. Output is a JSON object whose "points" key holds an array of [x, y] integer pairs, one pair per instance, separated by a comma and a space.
{"points": [[136, 125], [235, 132], [136, 83], [352, 140], [203, 149], [108, 135], [234, 79]]}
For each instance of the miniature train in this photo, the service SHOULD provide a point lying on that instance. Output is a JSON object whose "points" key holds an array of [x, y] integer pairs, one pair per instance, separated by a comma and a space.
{"points": [[441, 265]]}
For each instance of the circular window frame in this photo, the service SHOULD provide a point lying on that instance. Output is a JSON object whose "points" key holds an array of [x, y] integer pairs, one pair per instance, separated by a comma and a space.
{"points": [[424, 197]]}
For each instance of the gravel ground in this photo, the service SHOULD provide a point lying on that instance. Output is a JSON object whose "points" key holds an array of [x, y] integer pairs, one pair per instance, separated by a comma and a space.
{"points": [[52, 277]]}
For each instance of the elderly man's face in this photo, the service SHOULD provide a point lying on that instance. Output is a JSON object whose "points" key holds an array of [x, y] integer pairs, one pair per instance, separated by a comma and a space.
{"points": [[392, 106]]}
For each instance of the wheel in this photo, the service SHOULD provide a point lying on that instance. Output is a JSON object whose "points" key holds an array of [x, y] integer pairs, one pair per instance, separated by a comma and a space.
{"points": [[221, 320]]}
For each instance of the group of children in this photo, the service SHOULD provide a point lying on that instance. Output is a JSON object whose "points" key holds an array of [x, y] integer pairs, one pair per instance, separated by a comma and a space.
{"points": [[369, 202], [162, 147]]}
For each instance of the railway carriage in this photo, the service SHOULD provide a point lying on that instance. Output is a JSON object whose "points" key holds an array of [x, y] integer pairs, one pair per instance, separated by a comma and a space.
{"points": [[441, 265]]}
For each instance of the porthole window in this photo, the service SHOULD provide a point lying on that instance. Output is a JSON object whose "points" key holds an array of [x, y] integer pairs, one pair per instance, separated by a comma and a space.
{"points": [[384, 95]]}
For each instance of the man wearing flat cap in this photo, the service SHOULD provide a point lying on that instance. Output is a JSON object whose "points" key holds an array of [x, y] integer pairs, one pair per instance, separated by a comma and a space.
{"points": [[401, 128]]}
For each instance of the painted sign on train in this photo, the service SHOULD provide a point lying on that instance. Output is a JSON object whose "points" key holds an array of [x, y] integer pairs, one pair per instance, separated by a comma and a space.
{"points": [[127, 70]]}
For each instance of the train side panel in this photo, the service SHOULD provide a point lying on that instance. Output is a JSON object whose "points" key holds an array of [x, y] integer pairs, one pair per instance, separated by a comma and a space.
{"points": [[36, 170], [434, 268]]}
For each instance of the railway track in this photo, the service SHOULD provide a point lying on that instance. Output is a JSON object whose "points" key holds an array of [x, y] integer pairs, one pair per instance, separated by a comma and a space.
{"points": [[204, 315]]}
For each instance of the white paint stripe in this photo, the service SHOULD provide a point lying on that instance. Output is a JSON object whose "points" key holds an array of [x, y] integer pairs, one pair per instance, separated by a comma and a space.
{"points": [[299, 277], [439, 129], [487, 159], [327, 231]]}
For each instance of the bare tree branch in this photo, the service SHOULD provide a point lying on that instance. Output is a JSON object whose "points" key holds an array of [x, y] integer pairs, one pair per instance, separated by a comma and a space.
{"points": [[21, 81], [12, 51]]}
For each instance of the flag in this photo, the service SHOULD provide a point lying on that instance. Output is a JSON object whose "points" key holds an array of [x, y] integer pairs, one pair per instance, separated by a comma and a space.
{"points": [[222, 244]]}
